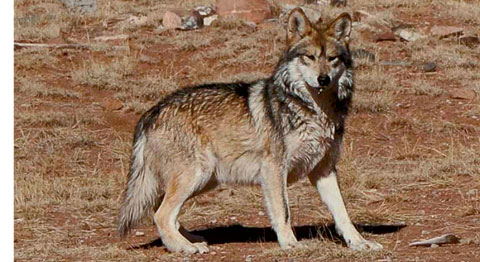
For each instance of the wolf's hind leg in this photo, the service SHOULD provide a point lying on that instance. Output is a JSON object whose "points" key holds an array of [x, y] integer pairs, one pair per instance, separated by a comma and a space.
{"points": [[165, 218], [274, 185], [327, 186]]}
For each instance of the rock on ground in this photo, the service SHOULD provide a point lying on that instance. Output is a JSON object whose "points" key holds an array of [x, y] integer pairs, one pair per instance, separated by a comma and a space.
{"points": [[171, 20], [251, 10], [84, 6]]}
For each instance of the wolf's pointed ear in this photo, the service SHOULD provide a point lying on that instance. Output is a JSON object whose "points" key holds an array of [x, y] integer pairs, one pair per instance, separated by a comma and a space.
{"points": [[298, 26], [341, 27]]}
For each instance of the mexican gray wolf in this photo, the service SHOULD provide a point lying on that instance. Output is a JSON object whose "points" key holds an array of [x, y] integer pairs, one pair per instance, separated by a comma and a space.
{"points": [[270, 132]]}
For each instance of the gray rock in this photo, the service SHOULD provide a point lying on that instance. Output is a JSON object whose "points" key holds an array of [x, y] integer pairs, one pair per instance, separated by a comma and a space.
{"points": [[83, 6], [429, 67], [194, 21]]}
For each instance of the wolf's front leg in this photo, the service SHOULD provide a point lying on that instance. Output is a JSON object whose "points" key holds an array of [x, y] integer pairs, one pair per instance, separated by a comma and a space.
{"points": [[274, 185], [329, 191]]}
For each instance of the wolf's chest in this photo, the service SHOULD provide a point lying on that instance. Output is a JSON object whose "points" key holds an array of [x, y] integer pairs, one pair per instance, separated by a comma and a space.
{"points": [[308, 143]]}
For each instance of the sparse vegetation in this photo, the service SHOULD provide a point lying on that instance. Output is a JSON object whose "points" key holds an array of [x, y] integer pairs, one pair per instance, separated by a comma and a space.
{"points": [[411, 150]]}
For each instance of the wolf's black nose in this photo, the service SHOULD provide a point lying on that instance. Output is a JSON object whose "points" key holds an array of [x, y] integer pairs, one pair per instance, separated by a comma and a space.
{"points": [[323, 80]]}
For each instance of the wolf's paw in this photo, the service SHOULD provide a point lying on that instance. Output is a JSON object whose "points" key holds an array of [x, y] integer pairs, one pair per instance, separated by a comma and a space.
{"points": [[202, 247], [364, 245], [191, 248], [291, 244]]}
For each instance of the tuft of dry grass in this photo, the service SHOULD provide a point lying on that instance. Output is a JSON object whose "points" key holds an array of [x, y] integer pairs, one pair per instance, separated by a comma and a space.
{"points": [[321, 250], [110, 75], [422, 87], [377, 102], [32, 87]]}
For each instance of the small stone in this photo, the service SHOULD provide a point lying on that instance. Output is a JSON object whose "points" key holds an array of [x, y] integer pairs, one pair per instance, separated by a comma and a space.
{"points": [[463, 94], [261, 213], [233, 218], [429, 67], [469, 40], [408, 35], [112, 104], [386, 36], [446, 31], [434, 245], [171, 20], [213, 253], [209, 19], [425, 232], [139, 233]]}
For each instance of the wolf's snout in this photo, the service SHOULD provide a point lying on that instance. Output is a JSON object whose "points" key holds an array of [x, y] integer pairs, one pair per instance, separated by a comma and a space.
{"points": [[323, 80]]}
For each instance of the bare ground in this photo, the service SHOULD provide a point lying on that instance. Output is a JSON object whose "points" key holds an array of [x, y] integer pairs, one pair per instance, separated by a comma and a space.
{"points": [[411, 158]]}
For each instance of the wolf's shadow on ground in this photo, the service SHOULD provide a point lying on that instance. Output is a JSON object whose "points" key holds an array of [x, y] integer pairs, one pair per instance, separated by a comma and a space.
{"points": [[241, 234]]}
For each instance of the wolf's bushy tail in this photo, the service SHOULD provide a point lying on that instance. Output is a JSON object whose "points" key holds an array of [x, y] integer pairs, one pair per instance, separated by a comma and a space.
{"points": [[141, 191]]}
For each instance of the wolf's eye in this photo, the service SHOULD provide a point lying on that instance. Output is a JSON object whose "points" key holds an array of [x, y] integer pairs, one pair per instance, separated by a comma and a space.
{"points": [[311, 57], [331, 58]]}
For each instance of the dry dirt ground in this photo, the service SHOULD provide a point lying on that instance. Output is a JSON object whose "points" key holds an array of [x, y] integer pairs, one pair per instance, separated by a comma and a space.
{"points": [[411, 158]]}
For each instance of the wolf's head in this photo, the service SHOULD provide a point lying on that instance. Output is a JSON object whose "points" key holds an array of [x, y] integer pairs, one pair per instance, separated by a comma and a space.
{"points": [[317, 53]]}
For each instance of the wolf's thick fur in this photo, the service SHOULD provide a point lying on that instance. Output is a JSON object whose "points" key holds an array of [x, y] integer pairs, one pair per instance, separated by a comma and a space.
{"points": [[270, 132]]}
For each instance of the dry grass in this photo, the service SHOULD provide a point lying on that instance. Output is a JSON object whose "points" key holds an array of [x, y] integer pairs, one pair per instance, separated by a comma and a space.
{"points": [[109, 75], [377, 102], [72, 156], [31, 86], [425, 88], [321, 250]]}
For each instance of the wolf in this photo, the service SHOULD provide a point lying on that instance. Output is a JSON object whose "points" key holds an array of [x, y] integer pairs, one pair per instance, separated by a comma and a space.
{"points": [[271, 132]]}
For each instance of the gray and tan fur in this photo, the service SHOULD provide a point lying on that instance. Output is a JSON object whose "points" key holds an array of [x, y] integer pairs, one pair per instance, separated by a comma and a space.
{"points": [[271, 132]]}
